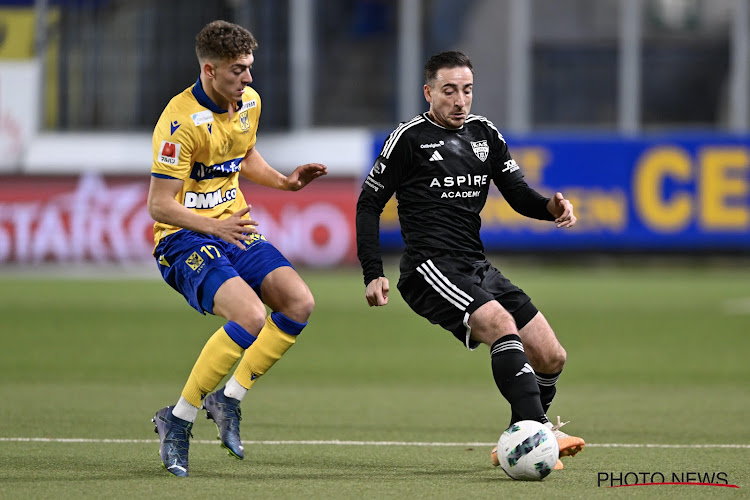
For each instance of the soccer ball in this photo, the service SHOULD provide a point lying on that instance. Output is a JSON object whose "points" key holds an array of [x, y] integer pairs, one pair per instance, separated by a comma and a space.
{"points": [[527, 451]]}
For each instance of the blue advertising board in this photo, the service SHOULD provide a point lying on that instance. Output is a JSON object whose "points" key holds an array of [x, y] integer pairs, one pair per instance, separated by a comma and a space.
{"points": [[670, 192]]}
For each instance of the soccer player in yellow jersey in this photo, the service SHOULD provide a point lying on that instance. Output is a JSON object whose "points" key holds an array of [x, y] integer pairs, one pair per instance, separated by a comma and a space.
{"points": [[208, 247]]}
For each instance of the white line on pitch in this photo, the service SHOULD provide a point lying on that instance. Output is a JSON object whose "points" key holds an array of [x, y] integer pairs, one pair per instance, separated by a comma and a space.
{"points": [[738, 306], [337, 442]]}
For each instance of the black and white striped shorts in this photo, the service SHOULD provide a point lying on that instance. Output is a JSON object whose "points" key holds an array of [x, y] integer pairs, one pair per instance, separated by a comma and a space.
{"points": [[447, 291]]}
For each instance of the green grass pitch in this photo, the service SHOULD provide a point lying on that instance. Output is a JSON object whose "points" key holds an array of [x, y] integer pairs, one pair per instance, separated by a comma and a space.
{"points": [[377, 403]]}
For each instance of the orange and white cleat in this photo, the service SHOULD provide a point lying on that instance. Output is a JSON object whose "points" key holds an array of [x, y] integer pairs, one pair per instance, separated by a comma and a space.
{"points": [[569, 445], [493, 457]]}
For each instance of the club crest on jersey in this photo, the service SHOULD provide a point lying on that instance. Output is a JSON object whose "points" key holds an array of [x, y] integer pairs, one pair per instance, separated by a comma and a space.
{"points": [[169, 153], [226, 146], [244, 121], [481, 149]]}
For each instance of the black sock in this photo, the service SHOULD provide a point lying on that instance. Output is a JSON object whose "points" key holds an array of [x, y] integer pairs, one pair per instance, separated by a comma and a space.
{"points": [[514, 417], [547, 388], [515, 378]]}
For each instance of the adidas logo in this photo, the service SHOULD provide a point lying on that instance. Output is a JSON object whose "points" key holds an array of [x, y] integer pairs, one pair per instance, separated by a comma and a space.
{"points": [[526, 369], [436, 156]]}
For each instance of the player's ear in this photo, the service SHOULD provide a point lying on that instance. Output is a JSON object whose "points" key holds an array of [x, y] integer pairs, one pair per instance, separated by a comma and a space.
{"points": [[209, 69], [427, 93]]}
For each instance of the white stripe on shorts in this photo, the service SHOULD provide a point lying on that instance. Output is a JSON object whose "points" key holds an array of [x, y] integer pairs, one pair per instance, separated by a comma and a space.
{"points": [[449, 292], [428, 278], [467, 341], [443, 285]]}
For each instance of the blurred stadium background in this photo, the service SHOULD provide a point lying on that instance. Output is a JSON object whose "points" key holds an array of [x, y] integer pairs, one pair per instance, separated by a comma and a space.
{"points": [[637, 110]]}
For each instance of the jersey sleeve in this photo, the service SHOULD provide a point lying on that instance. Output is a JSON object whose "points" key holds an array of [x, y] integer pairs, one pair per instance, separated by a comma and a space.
{"points": [[173, 144], [381, 182], [508, 178]]}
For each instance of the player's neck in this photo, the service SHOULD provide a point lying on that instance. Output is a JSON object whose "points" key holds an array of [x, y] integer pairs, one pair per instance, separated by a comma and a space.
{"points": [[217, 98]]}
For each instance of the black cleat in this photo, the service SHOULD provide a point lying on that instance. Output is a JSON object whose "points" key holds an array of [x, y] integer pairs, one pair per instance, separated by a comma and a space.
{"points": [[174, 441]]}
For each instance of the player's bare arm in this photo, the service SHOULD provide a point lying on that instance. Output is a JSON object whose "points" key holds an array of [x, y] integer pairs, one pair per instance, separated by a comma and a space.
{"points": [[163, 207], [256, 169], [562, 209], [377, 292]]}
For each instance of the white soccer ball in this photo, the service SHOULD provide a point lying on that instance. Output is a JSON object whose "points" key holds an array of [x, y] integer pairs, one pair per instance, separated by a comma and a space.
{"points": [[527, 451]]}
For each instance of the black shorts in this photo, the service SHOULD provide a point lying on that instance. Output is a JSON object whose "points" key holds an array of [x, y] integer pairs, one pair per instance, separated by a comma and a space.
{"points": [[447, 291]]}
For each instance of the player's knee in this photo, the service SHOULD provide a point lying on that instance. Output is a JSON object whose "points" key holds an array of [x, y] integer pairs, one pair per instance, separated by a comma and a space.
{"points": [[252, 319], [301, 308], [555, 359]]}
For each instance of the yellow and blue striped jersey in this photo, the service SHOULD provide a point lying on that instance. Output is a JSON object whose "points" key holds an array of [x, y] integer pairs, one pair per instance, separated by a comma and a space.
{"points": [[196, 141]]}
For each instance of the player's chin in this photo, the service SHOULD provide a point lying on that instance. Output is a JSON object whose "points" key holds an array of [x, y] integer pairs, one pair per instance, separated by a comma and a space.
{"points": [[458, 120]]}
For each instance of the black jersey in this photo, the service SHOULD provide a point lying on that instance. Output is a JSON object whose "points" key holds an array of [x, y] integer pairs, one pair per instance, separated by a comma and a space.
{"points": [[441, 178]]}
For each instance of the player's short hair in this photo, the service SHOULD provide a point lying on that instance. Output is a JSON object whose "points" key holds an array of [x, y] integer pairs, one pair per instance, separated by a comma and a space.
{"points": [[448, 59], [224, 41]]}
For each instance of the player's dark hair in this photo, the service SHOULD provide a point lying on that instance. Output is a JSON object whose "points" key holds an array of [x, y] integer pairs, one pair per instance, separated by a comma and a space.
{"points": [[449, 59], [224, 41]]}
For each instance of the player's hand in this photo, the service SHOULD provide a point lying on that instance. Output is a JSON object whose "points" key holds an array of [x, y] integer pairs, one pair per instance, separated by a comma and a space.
{"points": [[562, 209], [377, 292], [234, 228], [304, 175]]}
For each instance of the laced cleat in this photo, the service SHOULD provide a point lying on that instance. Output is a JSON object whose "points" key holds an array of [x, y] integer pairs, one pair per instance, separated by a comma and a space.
{"points": [[174, 441], [569, 445], [226, 414], [559, 465]]}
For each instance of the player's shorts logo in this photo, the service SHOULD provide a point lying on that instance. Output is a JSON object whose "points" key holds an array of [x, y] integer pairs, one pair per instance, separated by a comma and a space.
{"points": [[244, 121], [195, 262], [169, 153], [481, 149]]}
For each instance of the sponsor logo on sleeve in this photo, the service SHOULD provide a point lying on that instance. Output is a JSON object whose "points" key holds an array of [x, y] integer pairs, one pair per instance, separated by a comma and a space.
{"points": [[377, 169], [510, 166], [169, 153], [174, 126]]}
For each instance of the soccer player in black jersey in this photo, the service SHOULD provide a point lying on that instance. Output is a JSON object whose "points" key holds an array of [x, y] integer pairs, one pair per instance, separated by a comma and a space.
{"points": [[440, 164]]}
